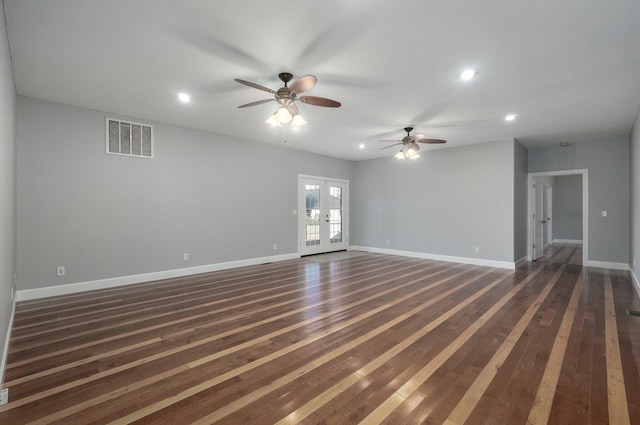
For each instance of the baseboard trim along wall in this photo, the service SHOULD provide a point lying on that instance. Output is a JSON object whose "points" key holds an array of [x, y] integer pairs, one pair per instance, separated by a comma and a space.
{"points": [[521, 261], [635, 282], [566, 241], [437, 257], [5, 352], [71, 288], [608, 265]]}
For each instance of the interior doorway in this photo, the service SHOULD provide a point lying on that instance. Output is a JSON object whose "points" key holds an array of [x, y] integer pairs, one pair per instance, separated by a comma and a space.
{"points": [[540, 217]]}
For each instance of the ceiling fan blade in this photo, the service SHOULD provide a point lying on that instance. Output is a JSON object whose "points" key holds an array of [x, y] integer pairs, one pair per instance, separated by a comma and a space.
{"points": [[293, 109], [387, 141], [255, 86], [257, 102], [418, 136], [390, 146], [432, 141], [303, 84], [320, 101]]}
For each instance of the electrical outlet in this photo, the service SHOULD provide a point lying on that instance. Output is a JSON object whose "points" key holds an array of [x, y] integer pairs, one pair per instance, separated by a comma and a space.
{"points": [[275, 246], [4, 396], [186, 256], [604, 213], [60, 271], [388, 241], [477, 249]]}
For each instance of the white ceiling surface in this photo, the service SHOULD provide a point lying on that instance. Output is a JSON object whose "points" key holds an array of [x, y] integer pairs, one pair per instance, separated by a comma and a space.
{"points": [[570, 69]]}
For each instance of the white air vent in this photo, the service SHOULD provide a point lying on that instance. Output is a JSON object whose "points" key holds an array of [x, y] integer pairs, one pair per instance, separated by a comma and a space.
{"points": [[129, 138]]}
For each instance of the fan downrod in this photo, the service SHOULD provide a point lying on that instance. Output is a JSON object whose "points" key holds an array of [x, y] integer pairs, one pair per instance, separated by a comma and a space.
{"points": [[285, 77]]}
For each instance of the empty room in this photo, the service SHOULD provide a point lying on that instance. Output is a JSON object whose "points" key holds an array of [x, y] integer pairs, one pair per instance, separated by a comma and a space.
{"points": [[319, 212]]}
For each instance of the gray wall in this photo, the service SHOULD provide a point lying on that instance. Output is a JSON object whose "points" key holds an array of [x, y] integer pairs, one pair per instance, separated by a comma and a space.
{"points": [[608, 165], [520, 175], [447, 203], [634, 160], [567, 207], [7, 186], [215, 197]]}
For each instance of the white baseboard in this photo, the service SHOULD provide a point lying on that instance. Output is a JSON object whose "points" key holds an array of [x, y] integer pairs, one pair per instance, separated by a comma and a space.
{"points": [[608, 265], [634, 281], [5, 351], [437, 257], [521, 261], [575, 241], [71, 288]]}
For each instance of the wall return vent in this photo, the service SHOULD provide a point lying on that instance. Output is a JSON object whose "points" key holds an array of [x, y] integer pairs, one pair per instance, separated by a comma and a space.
{"points": [[129, 138]]}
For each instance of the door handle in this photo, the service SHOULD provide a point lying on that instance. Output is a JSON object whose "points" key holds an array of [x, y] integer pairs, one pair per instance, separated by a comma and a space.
{"points": [[543, 221]]}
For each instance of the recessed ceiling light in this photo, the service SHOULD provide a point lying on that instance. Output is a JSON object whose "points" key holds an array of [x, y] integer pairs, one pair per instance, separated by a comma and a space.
{"points": [[184, 97], [467, 74], [510, 117], [362, 146]]}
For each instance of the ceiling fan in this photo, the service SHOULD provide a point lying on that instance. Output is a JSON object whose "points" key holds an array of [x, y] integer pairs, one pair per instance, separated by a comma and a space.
{"points": [[409, 146], [287, 96]]}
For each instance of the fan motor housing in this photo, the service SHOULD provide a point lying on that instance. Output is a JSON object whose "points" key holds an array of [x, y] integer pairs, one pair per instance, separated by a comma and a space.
{"points": [[284, 96]]}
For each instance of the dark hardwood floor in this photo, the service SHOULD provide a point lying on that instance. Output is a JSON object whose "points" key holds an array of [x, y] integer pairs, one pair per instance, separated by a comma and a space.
{"points": [[346, 338], [563, 253]]}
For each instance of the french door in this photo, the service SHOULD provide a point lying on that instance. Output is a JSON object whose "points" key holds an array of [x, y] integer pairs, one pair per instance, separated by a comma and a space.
{"points": [[323, 218]]}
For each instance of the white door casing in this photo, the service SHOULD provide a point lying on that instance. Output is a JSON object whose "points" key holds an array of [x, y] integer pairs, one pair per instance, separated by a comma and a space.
{"points": [[585, 210], [324, 215], [548, 212], [538, 219]]}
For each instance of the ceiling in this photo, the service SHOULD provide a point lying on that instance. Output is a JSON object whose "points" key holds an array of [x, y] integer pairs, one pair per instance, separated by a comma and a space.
{"points": [[569, 69]]}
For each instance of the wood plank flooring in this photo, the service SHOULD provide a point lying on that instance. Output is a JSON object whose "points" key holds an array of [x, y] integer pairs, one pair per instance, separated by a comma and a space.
{"points": [[346, 338], [563, 253]]}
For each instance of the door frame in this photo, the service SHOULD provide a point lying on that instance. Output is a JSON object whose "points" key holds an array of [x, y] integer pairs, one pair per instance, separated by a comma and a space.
{"points": [[302, 206], [585, 209], [548, 208], [537, 214]]}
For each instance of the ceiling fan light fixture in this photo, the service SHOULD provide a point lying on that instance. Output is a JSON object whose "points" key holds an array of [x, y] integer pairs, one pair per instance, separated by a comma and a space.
{"points": [[297, 121], [412, 154], [282, 115], [410, 146], [287, 96], [273, 121]]}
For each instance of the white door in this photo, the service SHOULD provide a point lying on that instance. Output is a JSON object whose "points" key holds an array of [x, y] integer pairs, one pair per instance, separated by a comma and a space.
{"points": [[323, 219], [538, 229], [548, 210]]}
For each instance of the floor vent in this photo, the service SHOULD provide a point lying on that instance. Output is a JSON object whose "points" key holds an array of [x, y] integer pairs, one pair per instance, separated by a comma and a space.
{"points": [[633, 312]]}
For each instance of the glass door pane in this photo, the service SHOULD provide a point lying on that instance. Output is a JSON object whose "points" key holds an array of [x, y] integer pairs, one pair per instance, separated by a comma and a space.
{"points": [[335, 214], [312, 214], [323, 226]]}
